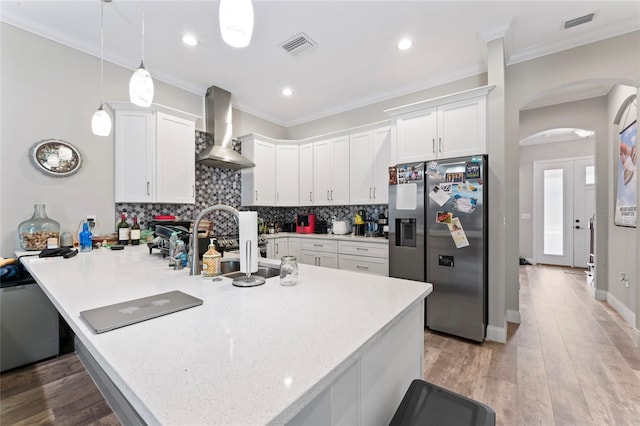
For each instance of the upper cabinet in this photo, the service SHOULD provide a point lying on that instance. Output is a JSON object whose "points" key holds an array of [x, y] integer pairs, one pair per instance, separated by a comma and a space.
{"points": [[305, 174], [331, 171], [446, 127], [154, 154], [258, 183], [274, 179], [287, 175], [368, 166]]}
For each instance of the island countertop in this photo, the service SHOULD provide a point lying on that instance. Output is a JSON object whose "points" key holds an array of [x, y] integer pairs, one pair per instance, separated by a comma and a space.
{"points": [[245, 356]]}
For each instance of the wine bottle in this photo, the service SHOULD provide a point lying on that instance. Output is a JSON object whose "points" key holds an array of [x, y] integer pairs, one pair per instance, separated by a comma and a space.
{"points": [[135, 232], [123, 231]]}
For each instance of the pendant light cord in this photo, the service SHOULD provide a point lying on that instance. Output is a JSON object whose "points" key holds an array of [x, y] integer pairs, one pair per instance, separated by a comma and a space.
{"points": [[142, 39], [101, 51]]}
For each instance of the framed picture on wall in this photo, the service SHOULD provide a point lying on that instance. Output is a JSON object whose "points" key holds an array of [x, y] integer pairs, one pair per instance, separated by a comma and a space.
{"points": [[626, 197]]}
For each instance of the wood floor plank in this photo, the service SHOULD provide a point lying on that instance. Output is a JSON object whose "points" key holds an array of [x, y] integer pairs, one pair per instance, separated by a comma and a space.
{"points": [[534, 400], [502, 397]]}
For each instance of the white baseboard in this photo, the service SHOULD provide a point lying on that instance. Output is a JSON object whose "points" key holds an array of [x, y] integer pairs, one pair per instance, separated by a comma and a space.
{"points": [[600, 295], [497, 334], [625, 312], [513, 316], [531, 261]]}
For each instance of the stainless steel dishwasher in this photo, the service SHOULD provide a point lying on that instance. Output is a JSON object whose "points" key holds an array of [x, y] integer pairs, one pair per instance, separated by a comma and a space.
{"points": [[28, 320]]}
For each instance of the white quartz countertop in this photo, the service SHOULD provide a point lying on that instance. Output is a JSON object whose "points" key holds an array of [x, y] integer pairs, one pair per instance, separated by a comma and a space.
{"points": [[246, 356], [347, 237]]}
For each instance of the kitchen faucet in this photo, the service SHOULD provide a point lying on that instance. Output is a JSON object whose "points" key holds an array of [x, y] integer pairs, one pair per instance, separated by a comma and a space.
{"points": [[193, 256]]}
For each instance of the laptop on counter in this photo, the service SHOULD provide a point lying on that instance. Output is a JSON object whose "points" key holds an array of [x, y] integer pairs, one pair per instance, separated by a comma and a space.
{"points": [[118, 315]]}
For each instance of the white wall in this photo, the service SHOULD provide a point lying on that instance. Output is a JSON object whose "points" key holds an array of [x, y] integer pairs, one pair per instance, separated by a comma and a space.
{"points": [[621, 254], [49, 90], [579, 114]]}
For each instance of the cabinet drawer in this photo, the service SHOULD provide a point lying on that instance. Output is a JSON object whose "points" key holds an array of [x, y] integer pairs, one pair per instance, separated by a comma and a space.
{"points": [[365, 264], [364, 249], [324, 259], [319, 245]]}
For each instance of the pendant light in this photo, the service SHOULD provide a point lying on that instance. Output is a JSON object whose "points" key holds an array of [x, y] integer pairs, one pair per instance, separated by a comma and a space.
{"points": [[236, 22], [141, 84], [101, 121]]}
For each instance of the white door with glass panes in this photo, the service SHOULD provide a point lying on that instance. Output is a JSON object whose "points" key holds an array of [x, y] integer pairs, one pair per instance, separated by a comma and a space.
{"points": [[563, 192], [286, 175]]}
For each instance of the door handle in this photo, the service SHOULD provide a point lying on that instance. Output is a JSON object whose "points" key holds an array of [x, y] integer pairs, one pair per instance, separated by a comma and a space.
{"points": [[148, 188], [327, 195], [439, 144], [332, 195], [578, 227], [369, 192], [193, 191], [310, 196], [433, 145], [374, 192], [256, 195]]}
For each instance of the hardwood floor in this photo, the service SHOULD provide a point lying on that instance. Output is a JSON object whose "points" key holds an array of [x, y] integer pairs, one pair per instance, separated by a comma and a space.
{"points": [[570, 362]]}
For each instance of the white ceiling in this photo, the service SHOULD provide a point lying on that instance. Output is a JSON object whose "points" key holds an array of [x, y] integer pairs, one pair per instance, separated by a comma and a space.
{"points": [[356, 61]]}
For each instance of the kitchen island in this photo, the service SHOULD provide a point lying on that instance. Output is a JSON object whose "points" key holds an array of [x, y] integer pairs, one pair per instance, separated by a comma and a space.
{"points": [[339, 347]]}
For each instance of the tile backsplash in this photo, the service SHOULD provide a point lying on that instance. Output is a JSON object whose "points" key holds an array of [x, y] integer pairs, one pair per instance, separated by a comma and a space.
{"points": [[222, 186]]}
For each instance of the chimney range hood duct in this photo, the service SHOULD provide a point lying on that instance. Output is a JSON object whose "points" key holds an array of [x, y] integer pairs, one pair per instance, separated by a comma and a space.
{"points": [[218, 118]]}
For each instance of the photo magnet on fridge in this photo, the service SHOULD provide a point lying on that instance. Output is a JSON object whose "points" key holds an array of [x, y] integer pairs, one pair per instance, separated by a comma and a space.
{"points": [[443, 217], [454, 177], [472, 170], [393, 175]]}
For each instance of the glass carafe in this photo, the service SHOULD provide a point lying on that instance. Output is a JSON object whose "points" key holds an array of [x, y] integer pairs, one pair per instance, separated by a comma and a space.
{"points": [[39, 232]]}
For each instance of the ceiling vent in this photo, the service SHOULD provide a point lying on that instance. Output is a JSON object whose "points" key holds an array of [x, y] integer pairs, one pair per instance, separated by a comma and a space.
{"points": [[578, 21], [298, 44]]}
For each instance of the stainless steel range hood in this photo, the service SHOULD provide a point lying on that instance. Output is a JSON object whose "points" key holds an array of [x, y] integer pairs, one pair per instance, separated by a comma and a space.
{"points": [[218, 119]]}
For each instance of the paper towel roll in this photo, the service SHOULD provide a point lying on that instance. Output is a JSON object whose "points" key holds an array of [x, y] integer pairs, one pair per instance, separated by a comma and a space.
{"points": [[248, 227]]}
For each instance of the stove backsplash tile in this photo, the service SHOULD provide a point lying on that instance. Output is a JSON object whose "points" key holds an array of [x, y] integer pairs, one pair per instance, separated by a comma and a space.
{"points": [[222, 186]]}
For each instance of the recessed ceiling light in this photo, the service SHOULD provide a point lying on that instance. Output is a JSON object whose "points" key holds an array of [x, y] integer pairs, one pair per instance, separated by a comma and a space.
{"points": [[404, 44], [287, 91], [189, 40]]}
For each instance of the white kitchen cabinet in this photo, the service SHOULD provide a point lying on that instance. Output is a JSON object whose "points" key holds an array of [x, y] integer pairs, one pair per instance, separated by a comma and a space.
{"points": [[277, 247], [258, 183], [319, 252], [331, 171], [154, 154], [286, 167], [368, 166], [305, 174], [358, 256], [294, 247], [446, 127]]}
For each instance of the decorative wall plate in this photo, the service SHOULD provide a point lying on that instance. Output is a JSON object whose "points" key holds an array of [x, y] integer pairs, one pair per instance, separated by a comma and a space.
{"points": [[55, 157]]}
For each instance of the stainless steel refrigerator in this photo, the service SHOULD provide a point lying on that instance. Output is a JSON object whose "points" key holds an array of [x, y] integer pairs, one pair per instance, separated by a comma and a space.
{"points": [[451, 213]]}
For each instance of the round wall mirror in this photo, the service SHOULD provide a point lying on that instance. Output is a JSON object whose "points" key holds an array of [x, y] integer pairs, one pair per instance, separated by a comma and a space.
{"points": [[55, 157]]}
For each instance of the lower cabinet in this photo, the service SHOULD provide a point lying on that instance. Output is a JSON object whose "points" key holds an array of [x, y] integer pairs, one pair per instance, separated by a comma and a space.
{"points": [[357, 256], [370, 258], [277, 247], [319, 252]]}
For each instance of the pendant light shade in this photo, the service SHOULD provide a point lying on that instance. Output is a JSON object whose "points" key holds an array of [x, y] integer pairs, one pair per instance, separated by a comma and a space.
{"points": [[141, 85], [236, 22], [101, 122]]}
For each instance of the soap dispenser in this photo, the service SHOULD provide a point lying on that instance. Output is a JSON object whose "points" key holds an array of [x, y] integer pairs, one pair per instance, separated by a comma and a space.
{"points": [[211, 261]]}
